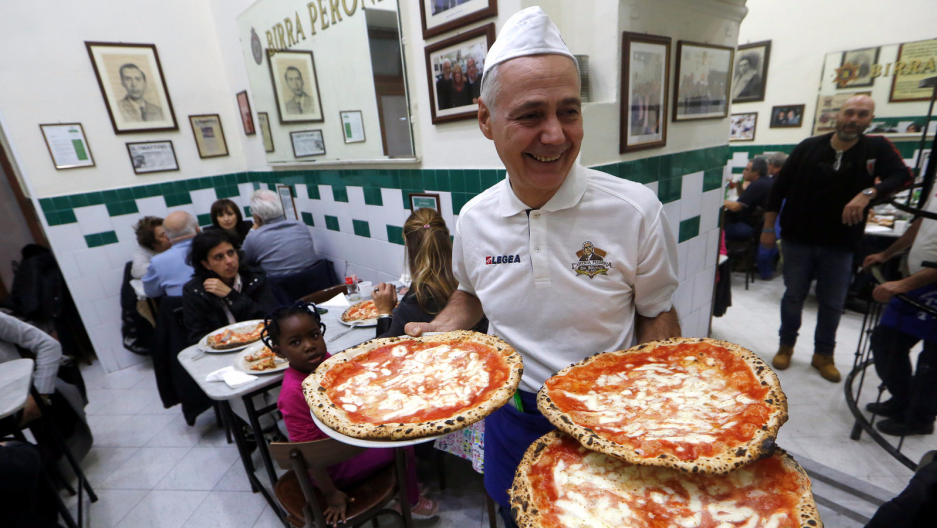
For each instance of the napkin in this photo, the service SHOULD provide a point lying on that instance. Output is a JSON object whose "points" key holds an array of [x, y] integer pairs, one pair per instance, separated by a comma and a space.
{"points": [[338, 301], [234, 378]]}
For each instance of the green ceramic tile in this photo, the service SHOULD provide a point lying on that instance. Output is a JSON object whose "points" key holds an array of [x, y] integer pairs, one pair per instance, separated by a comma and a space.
{"points": [[114, 208], [395, 234], [78, 200], [307, 219], [361, 228], [429, 180], [487, 178], [340, 194], [52, 218], [472, 181], [312, 191], [204, 219], [502, 174], [458, 201], [737, 170], [247, 211], [331, 223], [689, 228], [668, 190], [372, 196], [676, 165], [46, 204], [442, 181], [173, 200], [244, 177], [67, 217], [109, 196], [255, 185], [712, 179], [61, 202], [108, 237], [92, 240]]}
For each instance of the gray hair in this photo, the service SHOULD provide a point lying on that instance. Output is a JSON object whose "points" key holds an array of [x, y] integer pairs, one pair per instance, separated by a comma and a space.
{"points": [[491, 85], [760, 165], [266, 205], [777, 159], [189, 230]]}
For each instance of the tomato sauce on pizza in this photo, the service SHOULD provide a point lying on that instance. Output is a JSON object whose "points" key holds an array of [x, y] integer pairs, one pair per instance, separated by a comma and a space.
{"points": [[361, 311], [413, 381], [689, 400]]}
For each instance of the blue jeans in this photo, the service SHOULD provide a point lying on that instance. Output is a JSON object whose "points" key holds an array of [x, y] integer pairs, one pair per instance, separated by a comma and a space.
{"points": [[832, 268]]}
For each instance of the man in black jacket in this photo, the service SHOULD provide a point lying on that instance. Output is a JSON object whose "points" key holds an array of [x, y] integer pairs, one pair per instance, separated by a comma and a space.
{"points": [[828, 183]]}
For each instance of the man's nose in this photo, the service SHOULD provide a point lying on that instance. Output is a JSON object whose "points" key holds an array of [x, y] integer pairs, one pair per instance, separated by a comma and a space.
{"points": [[552, 132]]}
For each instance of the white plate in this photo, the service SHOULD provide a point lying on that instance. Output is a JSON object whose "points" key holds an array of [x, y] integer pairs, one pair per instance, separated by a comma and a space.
{"points": [[370, 443], [361, 323], [203, 342], [243, 365]]}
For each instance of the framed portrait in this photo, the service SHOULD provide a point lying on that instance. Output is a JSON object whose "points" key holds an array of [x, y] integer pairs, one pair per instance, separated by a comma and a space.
{"points": [[701, 90], [244, 109], [286, 198], [645, 78], [209, 136], [425, 201], [264, 120], [307, 143], [132, 84], [743, 127], [787, 116], [855, 71], [152, 156], [439, 16], [905, 85], [751, 72], [295, 86], [454, 71], [827, 107], [352, 126], [67, 145]]}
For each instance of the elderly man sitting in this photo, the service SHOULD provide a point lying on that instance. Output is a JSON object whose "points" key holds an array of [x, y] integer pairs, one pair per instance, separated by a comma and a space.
{"points": [[277, 245], [168, 271]]}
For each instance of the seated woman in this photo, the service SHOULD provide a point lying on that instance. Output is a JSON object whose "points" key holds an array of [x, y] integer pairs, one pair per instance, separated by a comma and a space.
{"points": [[226, 216], [296, 333], [151, 240], [222, 291]]}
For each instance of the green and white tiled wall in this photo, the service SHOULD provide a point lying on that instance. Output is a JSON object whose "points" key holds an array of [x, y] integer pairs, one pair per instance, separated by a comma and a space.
{"points": [[740, 154], [356, 216]]}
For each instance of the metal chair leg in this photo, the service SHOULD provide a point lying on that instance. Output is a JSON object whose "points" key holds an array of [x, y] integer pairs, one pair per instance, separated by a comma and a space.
{"points": [[53, 430]]}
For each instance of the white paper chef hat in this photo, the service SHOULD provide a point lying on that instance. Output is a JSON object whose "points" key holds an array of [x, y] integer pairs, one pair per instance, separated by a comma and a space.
{"points": [[528, 32]]}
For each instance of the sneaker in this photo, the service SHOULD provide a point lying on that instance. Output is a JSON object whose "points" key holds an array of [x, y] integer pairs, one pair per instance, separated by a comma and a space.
{"points": [[888, 409], [894, 427], [782, 359], [824, 363]]}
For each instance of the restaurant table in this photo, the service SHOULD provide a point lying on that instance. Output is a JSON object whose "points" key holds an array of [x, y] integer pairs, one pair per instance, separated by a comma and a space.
{"points": [[199, 366], [15, 379]]}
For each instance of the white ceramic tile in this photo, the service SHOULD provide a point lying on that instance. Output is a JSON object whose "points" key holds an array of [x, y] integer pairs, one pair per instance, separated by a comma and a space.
{"points": [[125, 358], [124, 379], [86, 289], [268, 519], [66, 238], [200, 469], [392, 200], [689, 324], [93, 219], [709, 210], [101, 424], [102, 461], [137, 430], [89, 316], [177, 433], [672, 212], [653, 186], [355, 197], [245, 190], [119, 401], [144, 468], [108, 310], [67, 264], [228, 509], [683, 251], [691, 194], [696, 255], [703, 288], [163, 509], [111, 507], [152, 206], [712, 247], [683, 299], [325, 195], [107, 334], [108, 361], [202, 199], [739, 157], [702, 329], [123, 226], [92, 261]]}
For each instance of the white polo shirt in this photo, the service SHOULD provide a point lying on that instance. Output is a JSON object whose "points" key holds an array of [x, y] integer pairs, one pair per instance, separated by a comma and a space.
{"points": [[543, 293], [925, 243]]}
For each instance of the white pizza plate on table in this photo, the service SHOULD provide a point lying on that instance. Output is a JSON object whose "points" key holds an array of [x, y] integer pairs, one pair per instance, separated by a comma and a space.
{"points": [[360, 442], [203, 342], [245, 366]]}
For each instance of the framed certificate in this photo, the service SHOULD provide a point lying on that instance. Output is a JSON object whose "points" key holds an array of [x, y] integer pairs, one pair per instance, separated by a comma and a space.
{"points": [[209, 136], [67, 146], [425, 201], [152, 156], [307, 143], [264, 121], [352, 126], [286, 198]]}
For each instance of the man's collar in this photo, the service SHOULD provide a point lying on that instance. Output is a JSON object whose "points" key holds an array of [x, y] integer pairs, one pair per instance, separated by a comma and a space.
{"points": [[276, 220], [183, 242], [568, 195]]}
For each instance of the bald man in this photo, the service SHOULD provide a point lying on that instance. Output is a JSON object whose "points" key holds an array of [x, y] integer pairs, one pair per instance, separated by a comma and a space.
{"points": [[828, 183], [168, 271]]}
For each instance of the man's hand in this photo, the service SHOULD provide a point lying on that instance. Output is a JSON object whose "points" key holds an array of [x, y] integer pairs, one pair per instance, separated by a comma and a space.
{"points": [[216, 287], [418, 329], [462, 312], [884, 292], [336, 506], [871, 260], [854, 212], [768, 239], [30, 411], [385, 298]]}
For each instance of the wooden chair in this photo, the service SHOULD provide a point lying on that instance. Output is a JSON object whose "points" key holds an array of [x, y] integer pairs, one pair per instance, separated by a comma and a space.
{"points": [[305, 504], [323, 295]]}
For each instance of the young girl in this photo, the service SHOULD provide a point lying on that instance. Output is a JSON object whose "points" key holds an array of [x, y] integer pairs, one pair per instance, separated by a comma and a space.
{"points": [[296, 333]]}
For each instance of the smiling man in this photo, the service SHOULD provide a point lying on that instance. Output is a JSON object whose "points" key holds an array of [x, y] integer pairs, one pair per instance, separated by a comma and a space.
{"points": [[828, 183], [548, 302]]}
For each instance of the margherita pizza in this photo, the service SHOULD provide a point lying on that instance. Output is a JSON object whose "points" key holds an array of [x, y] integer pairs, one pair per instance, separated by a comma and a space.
{"points": [[360, 311], [560, 484], [401, 387], [228, 338], [699, 405]]}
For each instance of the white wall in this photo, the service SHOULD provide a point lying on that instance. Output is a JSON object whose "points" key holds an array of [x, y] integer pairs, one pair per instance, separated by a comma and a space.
{"points": [[802, 32]]}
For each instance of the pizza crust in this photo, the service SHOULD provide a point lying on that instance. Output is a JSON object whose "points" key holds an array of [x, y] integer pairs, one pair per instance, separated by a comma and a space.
{"points": [[336, 418], [761, 444], [526, 514]]}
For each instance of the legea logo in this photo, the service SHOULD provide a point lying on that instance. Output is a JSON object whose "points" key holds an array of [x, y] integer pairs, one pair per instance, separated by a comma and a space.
{"points": [[503, 259]]}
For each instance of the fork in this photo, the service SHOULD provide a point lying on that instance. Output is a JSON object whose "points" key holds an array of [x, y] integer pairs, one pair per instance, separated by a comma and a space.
{"points": [[336, 336]]}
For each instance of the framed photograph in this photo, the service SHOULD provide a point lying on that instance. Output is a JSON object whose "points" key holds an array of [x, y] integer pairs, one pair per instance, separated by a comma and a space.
{"points": [[645, 78], [152, 156], [264, 120], [244, 109], [702, 85], [453, 70], [751, 72], [827, 107], [209, 136], [307, 143], [856, 69], [425, 201], [352, 126], [286, 198], [905, 85], [132, 84], [743, 127], [295, 86], [787, 116], [439, 16], [67, 146]]}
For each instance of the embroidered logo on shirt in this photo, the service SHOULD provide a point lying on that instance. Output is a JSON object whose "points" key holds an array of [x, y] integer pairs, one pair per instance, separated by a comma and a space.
{"points": [[503, 259], [870, 166], [591, 261]]}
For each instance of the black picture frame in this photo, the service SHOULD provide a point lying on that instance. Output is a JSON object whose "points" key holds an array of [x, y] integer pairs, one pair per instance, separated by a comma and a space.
{"points": [[449, 114], [736, 133], [312, 133], [464, 13], [628, 72], [199, 133], [138, 157], [754, 88], [781, 116], [698, 106], [303, 61]]}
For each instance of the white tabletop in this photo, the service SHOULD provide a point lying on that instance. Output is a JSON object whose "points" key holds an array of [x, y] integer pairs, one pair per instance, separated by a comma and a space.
{"points": [[15, 377], [200, 368]]}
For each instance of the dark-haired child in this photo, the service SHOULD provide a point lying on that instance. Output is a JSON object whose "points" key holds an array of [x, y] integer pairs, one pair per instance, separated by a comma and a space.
{"points": [[296, 333]]}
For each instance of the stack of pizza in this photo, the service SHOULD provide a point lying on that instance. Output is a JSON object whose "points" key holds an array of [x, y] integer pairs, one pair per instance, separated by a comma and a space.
{"points": [[671, 433], [402, 388]]}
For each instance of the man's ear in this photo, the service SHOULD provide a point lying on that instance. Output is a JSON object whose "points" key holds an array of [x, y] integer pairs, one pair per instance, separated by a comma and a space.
{"points": [[484, 119]]}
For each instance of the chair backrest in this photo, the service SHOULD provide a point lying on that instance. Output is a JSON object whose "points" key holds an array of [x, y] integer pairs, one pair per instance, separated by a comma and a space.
{"points": [[289, 288], [314, 454], [323, 295]]}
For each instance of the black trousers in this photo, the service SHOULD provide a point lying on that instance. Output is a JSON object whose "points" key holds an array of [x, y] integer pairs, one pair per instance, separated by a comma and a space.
{"points": [[916, 393], [24, 501]]}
